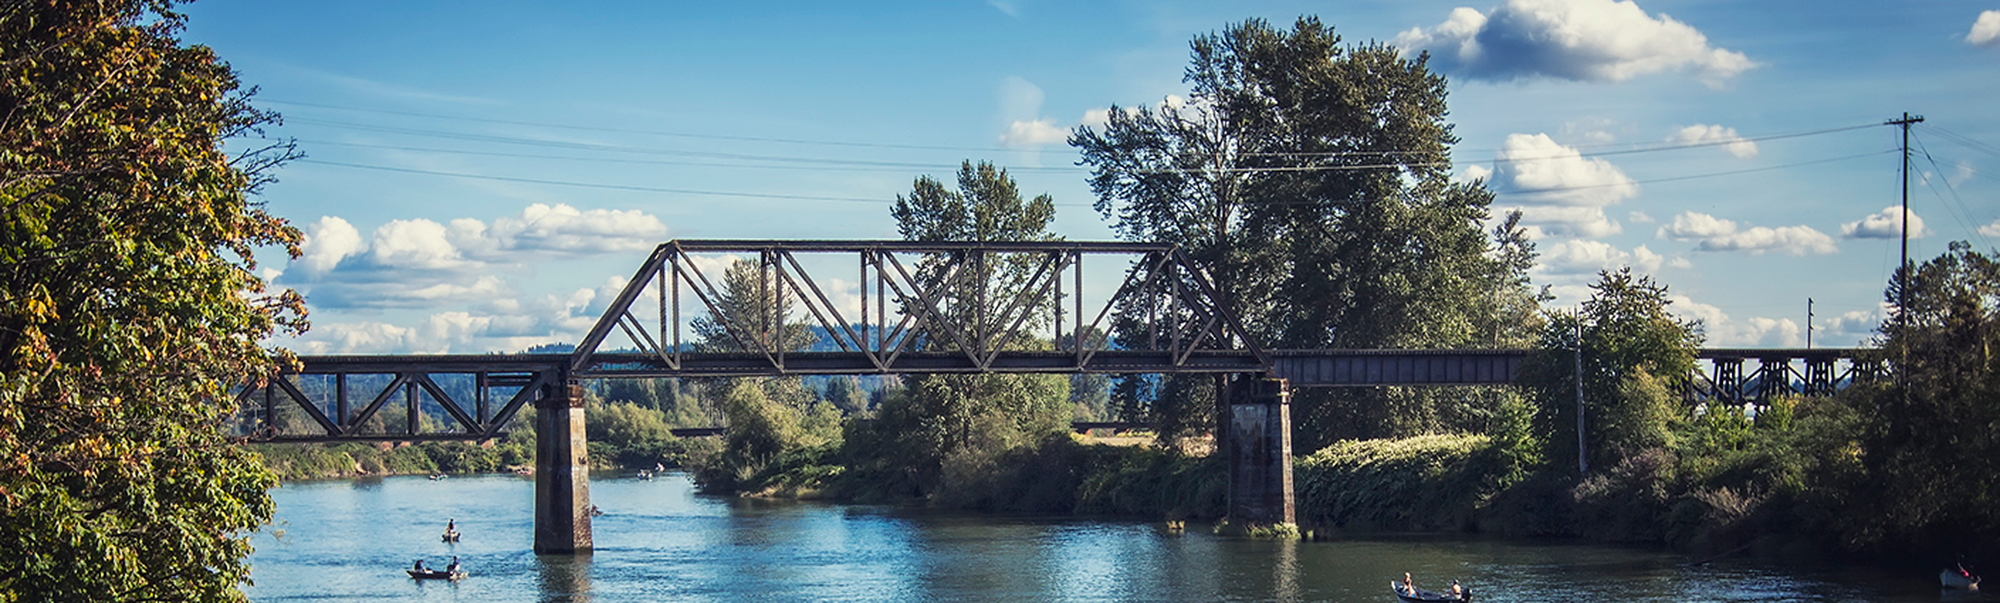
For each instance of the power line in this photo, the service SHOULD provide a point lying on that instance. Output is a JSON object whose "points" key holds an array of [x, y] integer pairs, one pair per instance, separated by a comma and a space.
{"points": [[1956, 207], [884, 201], [885, 167], [814, 160], [654, 132], [1688, 177], [649, 189]]}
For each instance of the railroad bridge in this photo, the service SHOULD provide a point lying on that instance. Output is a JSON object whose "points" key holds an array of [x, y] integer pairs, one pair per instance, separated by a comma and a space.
{"points": [[914, 307]]}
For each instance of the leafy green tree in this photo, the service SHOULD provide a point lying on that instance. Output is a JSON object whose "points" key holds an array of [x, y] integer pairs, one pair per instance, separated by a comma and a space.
{"points": [[1631, 348], [751, 315], [936, 421], [129, 307], [1930, 441], [1312, 181]]}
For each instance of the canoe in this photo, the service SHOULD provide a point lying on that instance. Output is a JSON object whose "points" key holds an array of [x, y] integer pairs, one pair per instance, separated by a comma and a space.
{"points": [[1425, 596], [1953, 579], [435, 574]]}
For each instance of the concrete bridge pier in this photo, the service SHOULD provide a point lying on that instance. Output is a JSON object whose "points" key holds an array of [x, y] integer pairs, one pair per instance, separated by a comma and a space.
{"points": [[562, 473], [1259, 445]]}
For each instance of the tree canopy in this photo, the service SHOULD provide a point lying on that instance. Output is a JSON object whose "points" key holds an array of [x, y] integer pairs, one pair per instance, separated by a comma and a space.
{"points": [[1312, 181], [128, 307]]}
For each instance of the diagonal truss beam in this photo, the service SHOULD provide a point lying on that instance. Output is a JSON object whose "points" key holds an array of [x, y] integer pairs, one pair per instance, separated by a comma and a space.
{"points": [[945, 306]]}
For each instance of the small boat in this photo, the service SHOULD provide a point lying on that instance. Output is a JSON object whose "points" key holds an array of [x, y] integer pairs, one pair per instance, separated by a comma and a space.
{"points": [[1418, 595], [449, 537], [1958, 579], [431, 574]]}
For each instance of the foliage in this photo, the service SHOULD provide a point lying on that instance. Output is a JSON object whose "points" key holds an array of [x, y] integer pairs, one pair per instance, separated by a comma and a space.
{"points": [[1630, 343], [751, 314], [940, 434], [128, 307], [355, 459], [633, 436], [1154, 482], [1931, 439], [1312, 182], [1422, 483], [763, 431]]}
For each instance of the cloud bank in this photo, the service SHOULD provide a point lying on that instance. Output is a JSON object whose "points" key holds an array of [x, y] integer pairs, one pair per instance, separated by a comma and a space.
{"points": [[1986, 30], [1557, 189], [1578, 40], [1885, 224], [1716, 234]]}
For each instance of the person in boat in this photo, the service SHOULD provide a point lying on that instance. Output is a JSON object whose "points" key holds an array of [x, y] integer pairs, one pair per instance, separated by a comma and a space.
{"points": [[1456, 590], [1408, 586], [453, 568], [419, 566]]}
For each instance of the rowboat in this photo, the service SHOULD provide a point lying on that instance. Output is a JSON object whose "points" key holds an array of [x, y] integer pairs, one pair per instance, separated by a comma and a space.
{"points": [[1958, 579], [431, 574], [1418, 595], [450, 537]]}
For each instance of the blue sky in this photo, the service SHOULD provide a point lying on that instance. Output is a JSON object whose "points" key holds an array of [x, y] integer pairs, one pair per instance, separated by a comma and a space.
{"points": [[482, 176]]}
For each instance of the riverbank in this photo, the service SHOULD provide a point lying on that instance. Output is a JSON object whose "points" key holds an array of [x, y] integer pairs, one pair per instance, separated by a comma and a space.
{"points": [[293, 462]]}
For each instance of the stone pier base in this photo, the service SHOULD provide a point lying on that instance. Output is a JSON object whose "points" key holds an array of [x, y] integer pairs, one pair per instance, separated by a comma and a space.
{"points": [[562, 474], [1259, 445]]}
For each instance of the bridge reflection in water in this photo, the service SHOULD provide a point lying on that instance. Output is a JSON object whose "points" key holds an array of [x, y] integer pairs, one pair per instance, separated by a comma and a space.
{"points": [[915, 308]]}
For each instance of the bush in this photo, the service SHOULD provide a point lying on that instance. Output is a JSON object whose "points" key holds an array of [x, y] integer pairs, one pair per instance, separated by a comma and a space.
{"points": [[1430, 482]]}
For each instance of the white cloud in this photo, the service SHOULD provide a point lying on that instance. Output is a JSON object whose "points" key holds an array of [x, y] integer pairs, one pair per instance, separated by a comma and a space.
{"points": [[328, 241], [1985, 31], [1033, 133], [1991, 230], [1590, 130], [1717, 234], [1858, 324], [1005, 7], [502, 324], [1960, 172], [1721, 330], [1640, 217], [1019, 98], [1557, 189], [1580, 40], [418, 262], [1885, 224], [1716, 135], [566, 231], [1586, 256]]}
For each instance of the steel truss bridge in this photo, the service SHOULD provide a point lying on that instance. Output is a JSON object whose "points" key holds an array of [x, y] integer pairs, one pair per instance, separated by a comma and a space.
{"points": [[914, 307]]}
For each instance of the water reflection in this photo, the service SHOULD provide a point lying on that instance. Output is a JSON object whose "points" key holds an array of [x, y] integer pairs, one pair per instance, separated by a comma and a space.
{"points": [[564, 578], [658, 541]]}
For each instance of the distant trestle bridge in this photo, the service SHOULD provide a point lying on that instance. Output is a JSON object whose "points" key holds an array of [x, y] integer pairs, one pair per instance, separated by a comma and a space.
{"points": [[914, 307]]}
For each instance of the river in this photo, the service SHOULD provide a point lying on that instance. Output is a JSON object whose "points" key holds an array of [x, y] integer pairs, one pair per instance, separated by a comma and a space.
{"points": [[349, 540]]}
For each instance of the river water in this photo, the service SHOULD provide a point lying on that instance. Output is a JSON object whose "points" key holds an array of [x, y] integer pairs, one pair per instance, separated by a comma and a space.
{"points": [[659, 541]]}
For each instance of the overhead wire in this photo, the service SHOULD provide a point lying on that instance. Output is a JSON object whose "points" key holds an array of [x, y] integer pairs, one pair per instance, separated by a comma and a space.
{"points": [[802, 141], [1956, 206]]}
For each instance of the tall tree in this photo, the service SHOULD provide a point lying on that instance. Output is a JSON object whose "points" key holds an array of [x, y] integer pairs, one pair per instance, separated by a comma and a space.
{"points": [[1631, 347], [938, 417], [1932, 435], [128, 307], [1312, 181]]}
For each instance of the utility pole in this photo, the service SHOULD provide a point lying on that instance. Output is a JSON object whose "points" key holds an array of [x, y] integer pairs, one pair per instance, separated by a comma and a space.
{"points": [[1809, 323], [1903, 268], [1582, 453]]}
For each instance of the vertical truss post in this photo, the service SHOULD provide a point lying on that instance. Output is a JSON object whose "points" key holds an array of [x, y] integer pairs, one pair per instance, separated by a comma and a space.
{"points": [[479, 398], [410, 399], [344, 418]]}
